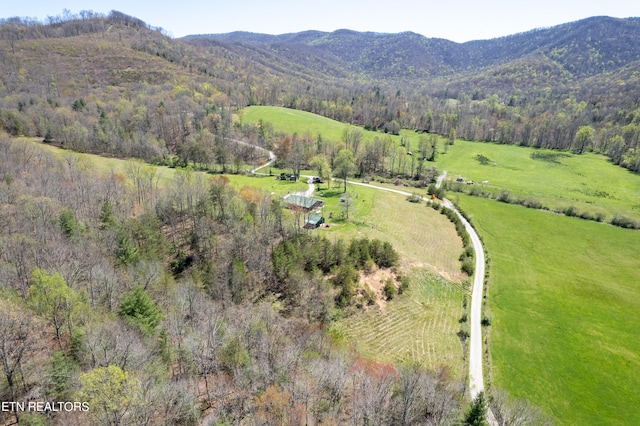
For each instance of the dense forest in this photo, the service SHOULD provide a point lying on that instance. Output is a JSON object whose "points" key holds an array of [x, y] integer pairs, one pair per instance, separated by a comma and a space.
{"points": [[197, 302]]}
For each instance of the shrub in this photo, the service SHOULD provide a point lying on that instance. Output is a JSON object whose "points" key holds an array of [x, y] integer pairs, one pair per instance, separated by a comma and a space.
{"points": [[439, 193], [477, 191], [504, 196], [434, 205], [486, 321], [624, 222], [369, 296], [468, 266], [467, 253], [404, 285], [463, 334], [389, 289], [532, 203], [483, 160], [414, 198]]}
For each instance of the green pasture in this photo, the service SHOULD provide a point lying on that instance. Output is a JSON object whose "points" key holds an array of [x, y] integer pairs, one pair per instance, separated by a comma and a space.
{"points": [[565, 299], [303, 123], [558, 179], [423, 237]]}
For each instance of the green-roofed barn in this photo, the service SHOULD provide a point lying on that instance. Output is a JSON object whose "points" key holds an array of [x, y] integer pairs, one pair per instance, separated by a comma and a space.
{"points": [[313, 221], [305, 204]]}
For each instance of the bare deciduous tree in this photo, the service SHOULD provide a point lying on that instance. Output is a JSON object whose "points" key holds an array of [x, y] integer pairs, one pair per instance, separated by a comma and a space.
{"points": [[515, 412], [17, 337]]}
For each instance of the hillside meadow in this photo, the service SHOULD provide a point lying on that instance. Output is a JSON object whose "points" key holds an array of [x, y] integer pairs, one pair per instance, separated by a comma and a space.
{"points": [[564, 296], [559, 179], [303, 123]]}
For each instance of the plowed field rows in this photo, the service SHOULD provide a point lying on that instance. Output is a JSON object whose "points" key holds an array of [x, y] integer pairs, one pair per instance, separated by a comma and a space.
{"points": [[419, 326]]}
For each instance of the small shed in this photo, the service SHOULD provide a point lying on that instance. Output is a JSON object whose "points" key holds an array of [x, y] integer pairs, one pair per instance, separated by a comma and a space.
{"points": [[313, 221]]}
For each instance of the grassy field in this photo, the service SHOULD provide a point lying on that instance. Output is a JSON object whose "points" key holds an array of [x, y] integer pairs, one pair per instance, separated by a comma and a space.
{"points": [[565, 300], [422, 236], [419, 326], [301, 122], [559, 179]]}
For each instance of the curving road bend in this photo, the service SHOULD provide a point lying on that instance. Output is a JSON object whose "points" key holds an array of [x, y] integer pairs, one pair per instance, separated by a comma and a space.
{"points": [[272, 156]]}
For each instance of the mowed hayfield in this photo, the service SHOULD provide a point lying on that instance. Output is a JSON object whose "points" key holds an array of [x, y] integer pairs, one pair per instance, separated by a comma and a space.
{"points": [[565, 299], [417, 327], [589, 182]]}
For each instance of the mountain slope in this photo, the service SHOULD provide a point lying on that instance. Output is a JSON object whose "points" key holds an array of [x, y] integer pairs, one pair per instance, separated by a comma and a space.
{"points": [[536, 88], [583, 48]]}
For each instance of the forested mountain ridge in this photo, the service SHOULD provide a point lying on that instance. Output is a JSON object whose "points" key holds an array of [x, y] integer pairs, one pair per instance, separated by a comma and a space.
{"points": [[583, 48], [536, 88]]}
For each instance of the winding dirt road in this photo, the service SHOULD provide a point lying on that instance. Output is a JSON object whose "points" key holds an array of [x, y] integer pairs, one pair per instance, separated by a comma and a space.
{"points": [[476, 378]]}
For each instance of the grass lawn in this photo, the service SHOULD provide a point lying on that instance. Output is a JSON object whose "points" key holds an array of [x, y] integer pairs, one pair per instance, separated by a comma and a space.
{"points": [[268, 184], [588, 182], [565, 299]]}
